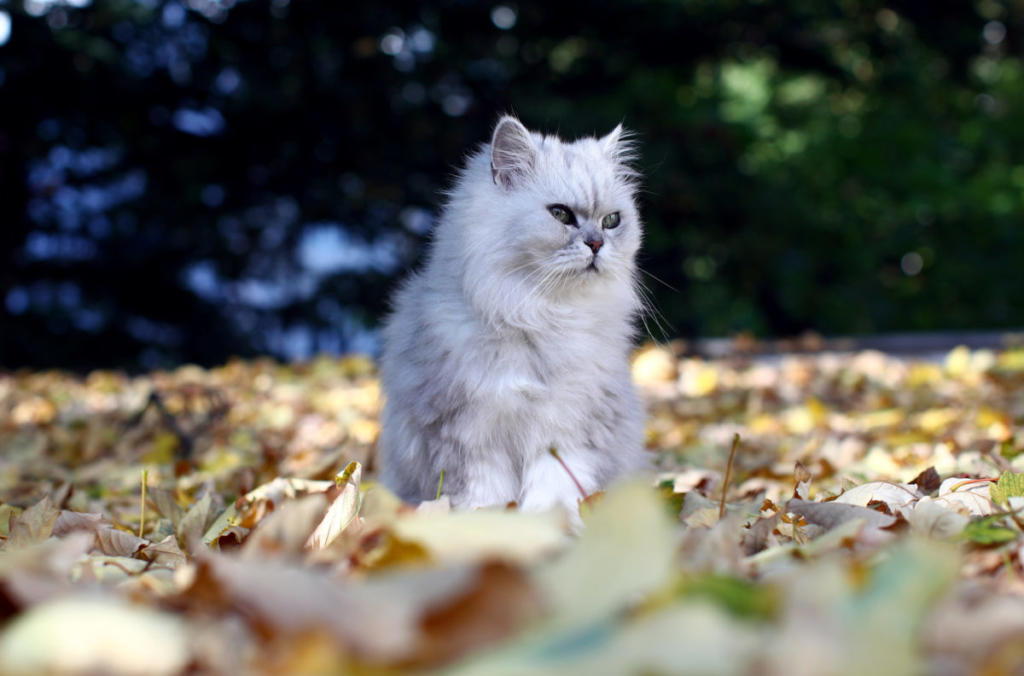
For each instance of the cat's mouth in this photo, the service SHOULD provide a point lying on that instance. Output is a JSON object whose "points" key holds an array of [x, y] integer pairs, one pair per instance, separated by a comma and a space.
{"points": [[593, 266]]}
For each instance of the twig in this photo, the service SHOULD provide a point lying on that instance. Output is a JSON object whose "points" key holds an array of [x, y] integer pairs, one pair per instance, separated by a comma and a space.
{"points": [[156, 401], [142, 507], [728, 471], [553, 451], [186, 439], [998, 460], [440, 482]]}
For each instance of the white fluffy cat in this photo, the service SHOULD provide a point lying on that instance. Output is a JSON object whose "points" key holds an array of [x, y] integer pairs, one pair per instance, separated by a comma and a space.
{"points": [[515, 336]]}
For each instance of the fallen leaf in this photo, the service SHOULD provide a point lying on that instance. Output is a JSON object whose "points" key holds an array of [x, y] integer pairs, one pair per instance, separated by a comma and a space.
{"points": [[896, 496], [33, 525], [988, 530], [627, 531], [499, 600], [935, 520], [164, 553], [114, 542], [456, 537], [192, 527], [93, 635], [1010, 485], [287, 529], [341, 513], [380, 619], [927, 481], [830, 514]]}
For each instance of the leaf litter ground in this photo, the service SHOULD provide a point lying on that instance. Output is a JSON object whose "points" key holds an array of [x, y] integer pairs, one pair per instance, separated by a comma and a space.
{"points": [[227, 521]]}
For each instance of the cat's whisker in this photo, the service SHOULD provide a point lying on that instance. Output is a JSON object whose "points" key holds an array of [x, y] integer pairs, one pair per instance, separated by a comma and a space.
{"points": [[649, 309], [658, 279]]}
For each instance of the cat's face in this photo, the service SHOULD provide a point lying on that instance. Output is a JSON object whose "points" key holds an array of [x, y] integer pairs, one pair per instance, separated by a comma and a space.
{"points": [[566, 212]]}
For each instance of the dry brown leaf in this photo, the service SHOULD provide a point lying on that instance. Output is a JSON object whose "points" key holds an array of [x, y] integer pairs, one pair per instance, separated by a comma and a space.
{"points": [[828, 515], [33, 525], [287, 529], [895, 496], [499, 600], [380, 619], [927, 481], [760, 535], [68, 522], [167, 506], [114, 542], [195, 521], [343, 510], [966, 496], [164, 553], [935, 519]]}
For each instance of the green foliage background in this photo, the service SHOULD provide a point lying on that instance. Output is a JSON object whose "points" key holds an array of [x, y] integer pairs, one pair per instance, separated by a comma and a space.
{"points": [[847, 167]]}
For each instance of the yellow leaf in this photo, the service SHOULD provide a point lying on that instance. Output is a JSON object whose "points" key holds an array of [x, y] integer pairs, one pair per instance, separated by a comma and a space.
{"points": [[6, 512], [653, 365], [164, 446], [470, 536], [697, 378], [880, 463], [923, 374], [988, 416], [764, 424], [222, 460], [355, 365], [803, 419], [1012, 360], [364, 431], [958, 361], [878, 419], [937, 419]]}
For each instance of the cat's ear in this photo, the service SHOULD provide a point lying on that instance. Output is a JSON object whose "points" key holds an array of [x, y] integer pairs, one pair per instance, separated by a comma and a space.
{"points": [[512, 153], [618, 145], [620, 148]]}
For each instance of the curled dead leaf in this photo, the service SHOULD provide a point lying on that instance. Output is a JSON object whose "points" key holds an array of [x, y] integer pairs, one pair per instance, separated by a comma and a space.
{"points": [[33, 525], [935, 519], [343, 510]]}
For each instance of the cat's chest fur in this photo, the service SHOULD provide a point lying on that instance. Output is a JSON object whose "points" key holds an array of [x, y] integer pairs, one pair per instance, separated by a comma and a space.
{"points": [[555, 378]]}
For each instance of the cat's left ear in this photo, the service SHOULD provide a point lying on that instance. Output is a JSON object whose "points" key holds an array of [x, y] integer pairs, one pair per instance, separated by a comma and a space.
{"points": [[618, 145], [512, 153]]}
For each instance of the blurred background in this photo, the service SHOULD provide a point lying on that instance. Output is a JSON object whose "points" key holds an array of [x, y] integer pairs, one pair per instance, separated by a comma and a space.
{"points": [[186, 180]]}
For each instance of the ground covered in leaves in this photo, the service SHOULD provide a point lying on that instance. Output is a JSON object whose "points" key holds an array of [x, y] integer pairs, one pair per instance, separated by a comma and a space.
{"points": [[226, 521]]}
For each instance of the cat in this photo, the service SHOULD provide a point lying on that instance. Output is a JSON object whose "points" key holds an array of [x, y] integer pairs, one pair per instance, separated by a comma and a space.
{"points": [[515, 337]]}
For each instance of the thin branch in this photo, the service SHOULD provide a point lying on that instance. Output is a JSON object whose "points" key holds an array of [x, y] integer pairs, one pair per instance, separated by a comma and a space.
{"points": [[553, 451], [728, 471], [142, 507]]}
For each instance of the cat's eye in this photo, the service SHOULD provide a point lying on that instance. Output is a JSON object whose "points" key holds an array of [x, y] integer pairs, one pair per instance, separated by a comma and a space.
{"points": [[611, 221], [562, 214]]}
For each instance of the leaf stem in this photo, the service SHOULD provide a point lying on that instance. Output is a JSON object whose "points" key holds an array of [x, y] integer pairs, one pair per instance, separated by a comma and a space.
{"points": [[142, 506], [553, 451], [728, 471], [440, 482]]}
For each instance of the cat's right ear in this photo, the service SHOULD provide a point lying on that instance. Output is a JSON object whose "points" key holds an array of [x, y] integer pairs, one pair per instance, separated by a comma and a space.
{"points": [[512, 153]]}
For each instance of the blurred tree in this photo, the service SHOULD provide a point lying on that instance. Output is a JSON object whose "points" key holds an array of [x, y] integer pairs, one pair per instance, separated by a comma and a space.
{"points": [[186, 180]]}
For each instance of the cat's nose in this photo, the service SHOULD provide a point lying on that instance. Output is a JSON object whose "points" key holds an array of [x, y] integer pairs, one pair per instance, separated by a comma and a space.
{"points": [[594, 243]]}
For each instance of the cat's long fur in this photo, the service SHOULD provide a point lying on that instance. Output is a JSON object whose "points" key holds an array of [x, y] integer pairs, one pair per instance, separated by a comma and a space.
{"points": [[506, 343]]}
